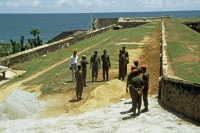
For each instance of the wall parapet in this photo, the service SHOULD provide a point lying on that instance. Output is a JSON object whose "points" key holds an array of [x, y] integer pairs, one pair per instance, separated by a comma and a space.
{"points": [[47, 48], [177, 94]]}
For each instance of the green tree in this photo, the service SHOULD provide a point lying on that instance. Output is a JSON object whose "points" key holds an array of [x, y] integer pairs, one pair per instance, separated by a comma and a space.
{"points": [[34, 32]]}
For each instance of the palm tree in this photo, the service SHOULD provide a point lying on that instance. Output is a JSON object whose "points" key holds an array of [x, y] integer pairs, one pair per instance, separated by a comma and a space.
{"points": [[34, 32]]}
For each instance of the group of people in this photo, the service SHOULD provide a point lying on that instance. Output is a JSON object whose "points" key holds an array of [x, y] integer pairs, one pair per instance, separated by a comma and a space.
{"points": [[137, 79], [138, 84], [79, 72]]}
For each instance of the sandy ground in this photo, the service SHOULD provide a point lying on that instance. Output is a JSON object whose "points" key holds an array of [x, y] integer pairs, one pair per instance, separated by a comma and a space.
{"points": [[114, 117]]}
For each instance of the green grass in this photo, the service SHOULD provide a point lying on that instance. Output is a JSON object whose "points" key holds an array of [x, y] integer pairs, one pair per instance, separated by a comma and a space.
{"points": [[183, 46], [53, 81], [176, 49]]}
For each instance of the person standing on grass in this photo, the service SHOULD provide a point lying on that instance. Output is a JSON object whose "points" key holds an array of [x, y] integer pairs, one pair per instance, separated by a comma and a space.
{"points": [[95, 64], [105, 65], [79, 83], [121, 65], [73, 63], [84, 63], [126, 59], [137, 86], [145, 78]]}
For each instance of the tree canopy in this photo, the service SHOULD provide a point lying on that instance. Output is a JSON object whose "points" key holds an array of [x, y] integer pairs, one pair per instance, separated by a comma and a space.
{"points": [[34, 32]]}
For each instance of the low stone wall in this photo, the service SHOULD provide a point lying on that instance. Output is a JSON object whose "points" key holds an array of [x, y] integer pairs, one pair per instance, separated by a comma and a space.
{"points": [[47, 48], [178, 95], [181, 96]]}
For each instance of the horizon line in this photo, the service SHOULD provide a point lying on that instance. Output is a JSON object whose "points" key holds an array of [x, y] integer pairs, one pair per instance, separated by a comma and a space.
{"points": [[99, 12]]}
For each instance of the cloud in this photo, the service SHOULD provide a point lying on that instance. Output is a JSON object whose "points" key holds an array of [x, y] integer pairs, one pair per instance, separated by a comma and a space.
{"points": [[77, 6], [63, 2], [22, 3], [84, 2]]}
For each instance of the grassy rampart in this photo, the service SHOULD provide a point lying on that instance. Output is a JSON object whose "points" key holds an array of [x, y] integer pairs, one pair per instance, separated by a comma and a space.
{"points": [[184, 49]]}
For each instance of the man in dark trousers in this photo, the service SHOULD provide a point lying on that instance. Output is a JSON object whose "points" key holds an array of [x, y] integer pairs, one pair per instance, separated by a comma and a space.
{"points": [[137, 86], [128, 84], [84, 63], [105, 65], [121, 60], [145, 78], [79, 83], [126, 59], [95, 64]]}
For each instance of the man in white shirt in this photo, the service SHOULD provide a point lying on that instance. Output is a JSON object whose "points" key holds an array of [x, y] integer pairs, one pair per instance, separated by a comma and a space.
{"points": [[73, 63]]}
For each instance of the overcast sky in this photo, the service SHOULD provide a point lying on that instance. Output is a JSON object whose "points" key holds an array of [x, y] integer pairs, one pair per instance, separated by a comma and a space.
{"points": [[86, 6]]}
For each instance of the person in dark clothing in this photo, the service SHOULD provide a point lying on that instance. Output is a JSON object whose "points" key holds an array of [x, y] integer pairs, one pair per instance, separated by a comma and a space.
{"points": [[79, 83], [121, 65], [145, 78], [105, 65], [95, 64], [84, 63], [126, 59], [128, 84], [136, 63], [137, 86]]}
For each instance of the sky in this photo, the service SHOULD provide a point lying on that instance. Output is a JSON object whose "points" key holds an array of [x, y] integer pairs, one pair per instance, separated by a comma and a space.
{"points": [[95, 6]]}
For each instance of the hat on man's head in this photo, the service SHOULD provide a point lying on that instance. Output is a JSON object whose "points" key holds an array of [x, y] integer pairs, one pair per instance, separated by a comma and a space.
{"points": [[143, 66], [135, 61], [79, 66], [84, 56], [134, 71], [104, 50], [133, 67], [95, 51], [123, 46]]}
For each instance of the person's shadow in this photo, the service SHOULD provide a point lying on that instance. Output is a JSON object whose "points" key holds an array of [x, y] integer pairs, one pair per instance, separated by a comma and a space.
{"points": [[125, 112], [129, 117], [2, 78], [73, 100]]}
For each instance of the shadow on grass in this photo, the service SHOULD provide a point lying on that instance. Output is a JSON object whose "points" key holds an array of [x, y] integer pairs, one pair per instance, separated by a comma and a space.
{"points": [[70, 81], [181, 116]]}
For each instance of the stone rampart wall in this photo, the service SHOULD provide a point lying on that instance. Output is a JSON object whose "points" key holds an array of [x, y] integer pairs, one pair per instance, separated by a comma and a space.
{"points": [[131, 24], [47, 48], [177, 94], [104, 22]]}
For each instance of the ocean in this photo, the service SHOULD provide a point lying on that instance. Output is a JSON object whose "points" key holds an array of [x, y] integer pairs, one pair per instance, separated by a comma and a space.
{"points": [[13, 26]]}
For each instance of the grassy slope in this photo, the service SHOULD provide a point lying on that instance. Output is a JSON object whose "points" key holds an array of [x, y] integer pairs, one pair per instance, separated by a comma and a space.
{"points": [[49, 78], [184, 49]]}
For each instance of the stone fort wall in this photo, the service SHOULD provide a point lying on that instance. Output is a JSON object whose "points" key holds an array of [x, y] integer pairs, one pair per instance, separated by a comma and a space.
{"points": [[177, 94]]}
